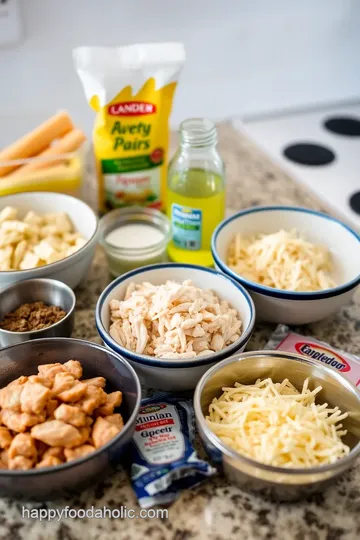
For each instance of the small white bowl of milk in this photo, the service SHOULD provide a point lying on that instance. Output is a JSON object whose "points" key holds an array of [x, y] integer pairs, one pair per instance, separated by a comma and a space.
{"points": [[134, 237]]}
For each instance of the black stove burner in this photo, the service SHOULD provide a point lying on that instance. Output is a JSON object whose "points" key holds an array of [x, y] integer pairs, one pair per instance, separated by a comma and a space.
{"points": [[309, 154], [354, 202], [343, 125]]}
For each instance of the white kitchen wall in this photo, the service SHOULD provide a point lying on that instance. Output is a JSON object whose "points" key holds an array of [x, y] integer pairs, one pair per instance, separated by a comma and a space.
{"points": [[243, 56]]}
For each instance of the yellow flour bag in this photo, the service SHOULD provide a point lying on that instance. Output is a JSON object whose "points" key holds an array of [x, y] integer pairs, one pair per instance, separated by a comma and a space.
{"points": [[131, 89]]}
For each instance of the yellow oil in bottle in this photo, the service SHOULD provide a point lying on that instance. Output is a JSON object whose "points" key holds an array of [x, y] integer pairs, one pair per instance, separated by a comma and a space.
{"points": [[195, 206]]}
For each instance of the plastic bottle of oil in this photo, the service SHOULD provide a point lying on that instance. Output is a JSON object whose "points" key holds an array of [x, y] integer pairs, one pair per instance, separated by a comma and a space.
{"points": [[196, 192]]}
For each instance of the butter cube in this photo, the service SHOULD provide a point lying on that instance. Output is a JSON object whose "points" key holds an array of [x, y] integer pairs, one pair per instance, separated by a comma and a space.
{"points": [[9, 212], [60, 220], [56, 243], [5, 265], [9, 238], [71, 250], [63, 223], [32, 218], [48, 230], [56, 256], [14, 225], [80, 242], [19, 253], [44, 250], [70, 238], [50, 217], [6, 253], [30, 261]]}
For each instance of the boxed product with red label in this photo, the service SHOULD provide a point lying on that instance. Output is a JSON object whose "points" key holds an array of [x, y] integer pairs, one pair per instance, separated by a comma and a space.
{"points": [[283, 339]]}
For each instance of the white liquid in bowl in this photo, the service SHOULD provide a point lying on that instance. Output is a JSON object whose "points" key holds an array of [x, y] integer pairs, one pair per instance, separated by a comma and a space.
{"points": [[135, 236]]}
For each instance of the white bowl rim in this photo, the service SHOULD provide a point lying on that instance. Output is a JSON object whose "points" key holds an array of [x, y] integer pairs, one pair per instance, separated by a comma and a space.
{"points": [[57, 264], [272, 291], [234, 454], [109, 444], [168, 363]]}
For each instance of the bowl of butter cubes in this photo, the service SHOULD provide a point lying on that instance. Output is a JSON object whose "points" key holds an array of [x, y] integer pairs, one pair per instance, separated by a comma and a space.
{"points": [[45, 234]]}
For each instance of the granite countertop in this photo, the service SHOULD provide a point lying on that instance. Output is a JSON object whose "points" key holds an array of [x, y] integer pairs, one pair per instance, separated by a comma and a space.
{"points": [[216, 510]]}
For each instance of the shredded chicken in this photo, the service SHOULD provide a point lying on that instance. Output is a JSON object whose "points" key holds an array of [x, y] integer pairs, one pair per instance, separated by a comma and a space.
{"points": [[174, 320]]}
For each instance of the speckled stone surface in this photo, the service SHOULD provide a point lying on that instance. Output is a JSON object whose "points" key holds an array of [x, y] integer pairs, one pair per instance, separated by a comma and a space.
{"points": [[215, 510]]}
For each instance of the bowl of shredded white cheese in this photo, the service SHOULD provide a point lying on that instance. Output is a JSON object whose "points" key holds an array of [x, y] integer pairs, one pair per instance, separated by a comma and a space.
{"points": [[299, 265], [278, 423]]}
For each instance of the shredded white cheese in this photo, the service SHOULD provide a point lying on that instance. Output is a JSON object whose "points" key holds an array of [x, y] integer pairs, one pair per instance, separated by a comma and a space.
{"points": [[282, 260], [275, 424]]}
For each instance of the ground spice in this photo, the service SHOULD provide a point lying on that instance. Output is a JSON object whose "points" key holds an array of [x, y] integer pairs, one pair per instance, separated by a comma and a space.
{"points": [[34, 316]]}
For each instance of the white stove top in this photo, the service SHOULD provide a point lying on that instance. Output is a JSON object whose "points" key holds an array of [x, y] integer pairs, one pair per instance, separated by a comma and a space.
{"points": [[334, 183]]}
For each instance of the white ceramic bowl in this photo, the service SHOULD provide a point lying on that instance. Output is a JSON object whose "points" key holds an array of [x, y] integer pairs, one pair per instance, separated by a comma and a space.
{"points": [[289, 307], [182, 374], [74, 268]]}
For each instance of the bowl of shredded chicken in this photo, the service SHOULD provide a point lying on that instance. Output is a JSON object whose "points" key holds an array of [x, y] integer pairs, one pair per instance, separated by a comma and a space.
{"points": [[174, 320]]}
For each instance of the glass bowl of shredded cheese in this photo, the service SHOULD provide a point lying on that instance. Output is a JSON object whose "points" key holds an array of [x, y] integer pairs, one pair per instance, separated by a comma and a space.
{"points": [[298, 264], [279, 424]]}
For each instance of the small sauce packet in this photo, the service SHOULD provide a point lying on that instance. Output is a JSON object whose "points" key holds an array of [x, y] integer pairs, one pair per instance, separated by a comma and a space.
{"points": [[164, 461], [283, 339]]}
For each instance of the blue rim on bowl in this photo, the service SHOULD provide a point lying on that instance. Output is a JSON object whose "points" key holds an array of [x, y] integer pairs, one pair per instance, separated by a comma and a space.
{"points": [[158, 362], [277, 293]]}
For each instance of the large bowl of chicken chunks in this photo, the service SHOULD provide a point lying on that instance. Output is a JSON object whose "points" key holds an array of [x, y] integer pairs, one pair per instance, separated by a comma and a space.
{"points": [[68, 409]]}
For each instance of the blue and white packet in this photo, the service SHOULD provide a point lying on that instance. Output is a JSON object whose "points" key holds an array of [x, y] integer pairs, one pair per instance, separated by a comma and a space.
{"points": [[164, 461]]}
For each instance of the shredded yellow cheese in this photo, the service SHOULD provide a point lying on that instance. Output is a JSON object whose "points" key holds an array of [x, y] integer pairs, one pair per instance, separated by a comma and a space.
{"points": [[282, 260], [275, 424]]}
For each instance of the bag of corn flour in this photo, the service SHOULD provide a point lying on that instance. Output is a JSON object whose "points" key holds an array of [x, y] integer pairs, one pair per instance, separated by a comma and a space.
{"points": [[283, 339], [131, 89]]}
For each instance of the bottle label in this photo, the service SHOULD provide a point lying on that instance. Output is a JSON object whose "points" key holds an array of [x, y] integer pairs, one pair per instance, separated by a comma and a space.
{"points": [[186, 227]]}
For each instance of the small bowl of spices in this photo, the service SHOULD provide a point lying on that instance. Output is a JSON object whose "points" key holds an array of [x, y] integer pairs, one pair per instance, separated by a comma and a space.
{"points": [[134, 237], [35, 308]]}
